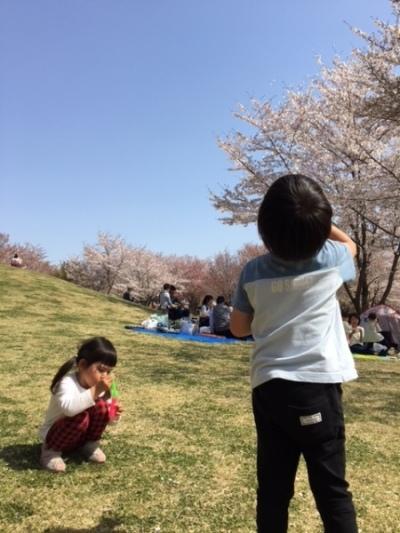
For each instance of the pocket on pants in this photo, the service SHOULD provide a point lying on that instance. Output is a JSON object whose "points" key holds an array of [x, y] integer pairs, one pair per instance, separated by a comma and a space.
{"points": [[312, 424]]}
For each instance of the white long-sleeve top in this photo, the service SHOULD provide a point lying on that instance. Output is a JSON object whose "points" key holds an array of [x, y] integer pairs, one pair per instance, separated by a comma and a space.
{"points": [[69, 399], [204, 311]]}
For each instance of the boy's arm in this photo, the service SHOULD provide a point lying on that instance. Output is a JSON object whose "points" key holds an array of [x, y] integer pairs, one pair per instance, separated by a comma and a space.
{"points": [[340, 236], [240, 324]]}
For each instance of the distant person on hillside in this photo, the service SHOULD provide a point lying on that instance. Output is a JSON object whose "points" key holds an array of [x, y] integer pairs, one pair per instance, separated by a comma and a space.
{"points": [[287, 299], [128, 295], [78, 411], [16, 261], [165, 298]]}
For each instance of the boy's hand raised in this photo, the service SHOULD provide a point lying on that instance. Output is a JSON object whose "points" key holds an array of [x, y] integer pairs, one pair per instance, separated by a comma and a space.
{"points": [[340, 236]]}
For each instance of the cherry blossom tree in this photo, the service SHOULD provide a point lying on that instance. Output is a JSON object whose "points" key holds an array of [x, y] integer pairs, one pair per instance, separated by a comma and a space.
{"points": [[190, 274], [248, 252], [111, 265], [380, 61], [223, 273], [102, 266], [145, 272], [320, 132]]}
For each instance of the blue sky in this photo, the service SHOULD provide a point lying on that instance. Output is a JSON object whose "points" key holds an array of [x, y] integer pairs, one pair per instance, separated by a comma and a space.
{"points": [[110, 110]]}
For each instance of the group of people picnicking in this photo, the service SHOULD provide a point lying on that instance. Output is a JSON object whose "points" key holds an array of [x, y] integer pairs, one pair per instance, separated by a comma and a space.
{"points": [[366, 337], [214, 314]]}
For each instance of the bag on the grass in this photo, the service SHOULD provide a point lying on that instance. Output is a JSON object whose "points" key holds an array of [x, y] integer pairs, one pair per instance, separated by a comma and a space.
{"points": [[186, 327]]}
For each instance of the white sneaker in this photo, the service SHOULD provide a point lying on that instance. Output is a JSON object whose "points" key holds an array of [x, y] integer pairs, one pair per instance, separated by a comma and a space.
{"points": [[93, 453], [52, 460]]}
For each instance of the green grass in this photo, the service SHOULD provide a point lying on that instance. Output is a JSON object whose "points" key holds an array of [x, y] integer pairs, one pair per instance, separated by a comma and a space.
{"points": [[182, 458]]}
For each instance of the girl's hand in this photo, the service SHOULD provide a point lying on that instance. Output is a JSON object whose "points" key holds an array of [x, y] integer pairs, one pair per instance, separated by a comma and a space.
{"points": [[119, 411], [102, 386], [114, 411]]}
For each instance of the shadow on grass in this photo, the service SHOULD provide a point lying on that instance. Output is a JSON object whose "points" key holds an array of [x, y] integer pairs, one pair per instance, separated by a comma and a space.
{"points": [[381, 393], [27, 456], [22, 456], [106, 525]]}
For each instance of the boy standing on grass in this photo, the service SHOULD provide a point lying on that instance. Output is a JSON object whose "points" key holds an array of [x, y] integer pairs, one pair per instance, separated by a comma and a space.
{"points": [[287, 300]]}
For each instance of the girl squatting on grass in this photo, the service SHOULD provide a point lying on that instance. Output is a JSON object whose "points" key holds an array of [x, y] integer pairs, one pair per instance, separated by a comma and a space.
{"points": [[78, 411]]}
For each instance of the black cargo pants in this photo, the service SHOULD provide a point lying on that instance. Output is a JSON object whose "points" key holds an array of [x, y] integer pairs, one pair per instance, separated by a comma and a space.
{"points": [[294, 418]]}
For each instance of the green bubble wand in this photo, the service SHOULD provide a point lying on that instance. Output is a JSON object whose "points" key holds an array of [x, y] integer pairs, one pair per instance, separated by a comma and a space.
{"points": [[114, 402], [113, 390]]}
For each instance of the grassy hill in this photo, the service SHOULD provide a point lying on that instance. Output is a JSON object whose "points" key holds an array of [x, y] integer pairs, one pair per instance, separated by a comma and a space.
{"points": [[182, 458]]}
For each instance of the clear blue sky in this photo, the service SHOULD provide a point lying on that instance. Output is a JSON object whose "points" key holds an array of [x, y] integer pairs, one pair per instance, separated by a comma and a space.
{"points": [[110, 110]]}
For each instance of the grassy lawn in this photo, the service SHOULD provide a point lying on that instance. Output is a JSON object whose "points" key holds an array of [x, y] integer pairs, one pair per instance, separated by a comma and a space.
{"points": [[183, 457]]}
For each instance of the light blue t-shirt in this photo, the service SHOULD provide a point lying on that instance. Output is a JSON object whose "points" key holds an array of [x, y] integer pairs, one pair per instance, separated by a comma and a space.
{"points": [[297, 324]]}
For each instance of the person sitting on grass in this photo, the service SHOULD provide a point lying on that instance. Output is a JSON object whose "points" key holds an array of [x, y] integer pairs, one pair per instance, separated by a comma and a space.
{"points": [[129, 295], [179, 309], [355, 335], [287, 299], [78, 411], [16, 261], [221, 316], [373, 338], [205, 311]]}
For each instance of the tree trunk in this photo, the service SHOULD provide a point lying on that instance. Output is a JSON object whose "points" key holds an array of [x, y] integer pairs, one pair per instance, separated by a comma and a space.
{"points": [[392, 274]]}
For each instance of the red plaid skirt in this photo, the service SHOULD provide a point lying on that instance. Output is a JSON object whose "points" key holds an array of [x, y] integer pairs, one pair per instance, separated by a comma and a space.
{"points": [[71, 432]]}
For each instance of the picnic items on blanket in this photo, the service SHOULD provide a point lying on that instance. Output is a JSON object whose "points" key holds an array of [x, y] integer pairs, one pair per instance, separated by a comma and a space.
{"points": [[162, 323], [156, 321], [187, 326], [177, 335]]}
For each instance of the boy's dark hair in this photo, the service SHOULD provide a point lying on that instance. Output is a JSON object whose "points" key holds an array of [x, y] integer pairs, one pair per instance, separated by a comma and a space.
{"points": [[294, 218], [220, 300], [372, 316], [166, 286], [94, 350]]}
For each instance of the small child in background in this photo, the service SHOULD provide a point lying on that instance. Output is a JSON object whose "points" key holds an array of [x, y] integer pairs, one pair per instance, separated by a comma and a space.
{"points": [[355, 335], [373, 338], [78, 411]]}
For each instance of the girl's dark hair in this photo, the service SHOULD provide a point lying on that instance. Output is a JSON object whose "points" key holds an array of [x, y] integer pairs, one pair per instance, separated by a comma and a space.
{"points": [[351, 316], [207, 298], [294, 218], [372, 316], [94, 350]]}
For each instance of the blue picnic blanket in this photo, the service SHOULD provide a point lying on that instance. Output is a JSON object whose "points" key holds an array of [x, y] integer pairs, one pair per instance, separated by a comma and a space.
{"points": [[184, 336]]}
